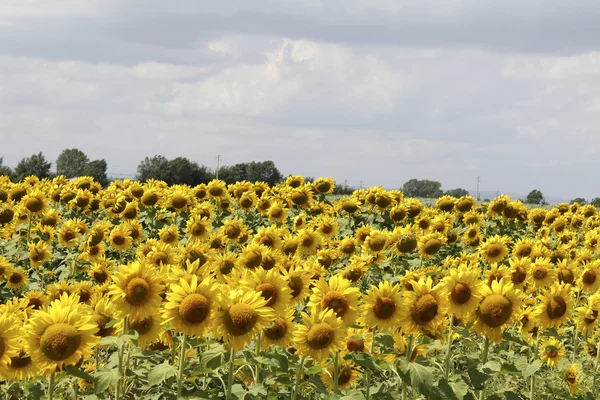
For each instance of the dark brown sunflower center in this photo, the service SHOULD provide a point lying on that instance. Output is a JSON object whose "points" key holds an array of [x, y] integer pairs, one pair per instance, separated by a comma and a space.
{"points": [[149, 199], [277, 331], [432, 246], [295, 283], [593, 318], [494, 251], [355, 345], [60, 341], [84, 295], [565, 275], [552, 353], [232, 231], [194, 308], [35, 303], [15, 278], [226, 267], [299, 198], [384, 307], [240, 319], [118, 239], [345, 376], [68, 236], [198, 229], [495, 310], [100, 276], [348, 248], [178, 201], [539, 272], [556, 307], [169, 237], [589, 277], [137, 291], [159, 258], [424, 309], [34, 204], [524, 251], [377, 243], [461, 293], [337, 302], [268, 292], [142, 326], [320, 336], [406, 245], [21, 361], [101, 323], [307, 241], [518, 276]]}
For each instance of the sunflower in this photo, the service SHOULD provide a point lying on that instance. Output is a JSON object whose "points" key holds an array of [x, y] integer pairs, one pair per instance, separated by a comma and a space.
{"points": [[358, 340], [357, 267], [34, 300], [337, 295], [272, 286], [92, 253], [495, 249], [17, 279], [348, 205], [498, 308], [101, 270], [376, 241], [381, 306], [10, 334], [217, 189], [551, 351], [423, 307], [347, 246], [572, 378], [497, 273], [299, 281], [280, 332], [169, 234], [68, 235], [120, 238], [104, 313], [523, 247], [308, 241], [277, 212], [543, 273], [62, 334], [589, 281], [301, 196], [519, 271], [320, 335], [5, 268], [136, 290], [56, 290], [251, 256], [324, 185], [348, 375], [554, 306], [326, 225], [85, 291], [148, 328], [198, 228], [162, 254], [190, 306], [430, 244], [21, 367], [223, 264], [233, 229], [586, 318], [35, 202], [242, 315], [462, 288]]}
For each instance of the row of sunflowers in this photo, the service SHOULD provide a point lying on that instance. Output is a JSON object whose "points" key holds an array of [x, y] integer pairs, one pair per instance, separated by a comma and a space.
{"points": [[242, 291]]}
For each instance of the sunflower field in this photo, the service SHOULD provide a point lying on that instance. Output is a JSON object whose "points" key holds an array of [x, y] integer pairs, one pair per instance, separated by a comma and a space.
{"points": [[245, 291]]}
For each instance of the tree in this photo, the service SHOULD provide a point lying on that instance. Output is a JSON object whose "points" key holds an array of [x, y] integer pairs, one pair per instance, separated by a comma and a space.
{"points": [[265, 171], [71, 163], [595, 202], [157, 167], [234, 173], [4, 170], [186, 172], [459, 192], [535, 197], [34, 165], [97, 170], [422, 188], [579, 200]]}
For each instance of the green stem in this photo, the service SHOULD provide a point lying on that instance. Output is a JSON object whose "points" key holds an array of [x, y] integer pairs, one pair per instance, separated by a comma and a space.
{"points": [[181, 365], [368, 378], [230, 375], [120, 354], [449, 349], [409, 345], [535, 351], [575, 331], [258, 338], [336, 374], [51, 387], [595, 391], [484, 357], [296, 389]]}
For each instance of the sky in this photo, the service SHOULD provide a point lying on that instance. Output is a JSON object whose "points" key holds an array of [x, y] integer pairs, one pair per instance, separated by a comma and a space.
{"points": [[371, 91]]}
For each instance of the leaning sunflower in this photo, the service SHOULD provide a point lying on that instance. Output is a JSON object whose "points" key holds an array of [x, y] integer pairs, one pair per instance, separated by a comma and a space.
{"points": [[62, 334], [551, 351], [190, 306], [136, 290], [462, 288], [381, 306], [281, 331], [321, 334], [272, 286], [337, 295], [243, 314], [424, 307], [495, 249], [554, 307], [498, 308]]}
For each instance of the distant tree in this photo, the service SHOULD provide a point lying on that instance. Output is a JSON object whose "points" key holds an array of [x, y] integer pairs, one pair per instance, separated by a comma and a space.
{"points": [[309, 179], [186, 172], [4, 170], [234, 173], [535, 197], [97, 170], [33, 165], [71, 163], [265, 171], [422, 188], [459, 192], [579, 200], [157, 167], [343, 189], [595, 202]]}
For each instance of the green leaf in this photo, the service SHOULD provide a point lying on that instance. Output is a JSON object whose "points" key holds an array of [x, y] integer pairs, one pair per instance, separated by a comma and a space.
{"points": [[353, 395], [212, 356], [106, 378], [79, 373], [315, 369], [532, 368], [421, 377], [161, 372]]}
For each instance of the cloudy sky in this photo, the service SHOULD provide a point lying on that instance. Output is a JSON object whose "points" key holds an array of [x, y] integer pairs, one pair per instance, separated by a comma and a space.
{"points": [[378, 91]]}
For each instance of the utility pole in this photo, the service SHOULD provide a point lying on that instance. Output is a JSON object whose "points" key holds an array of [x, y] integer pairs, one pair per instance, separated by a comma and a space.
{"points": [[478, 196], [361, 184], [218, 164]]}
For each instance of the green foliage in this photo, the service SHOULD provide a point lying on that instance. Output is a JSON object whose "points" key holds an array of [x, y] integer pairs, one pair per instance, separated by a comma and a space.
{"points": [[535, 197], [579, 200], [97, 170], [459, 192], [157, 167], [36, 165], [422, 188], [4, 170], [264, 171], [71, 163]]}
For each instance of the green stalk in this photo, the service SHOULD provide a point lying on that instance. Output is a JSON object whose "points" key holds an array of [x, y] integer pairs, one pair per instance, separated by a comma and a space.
{"points": [[535, 351], [120, 354], [368, 377], [336, 373], [575, 332], [596, 368], [484, 357], [409, 345], [449, 349], [181, 365], [51, 387], [296, 388], [258, 338], [230, 374]]}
